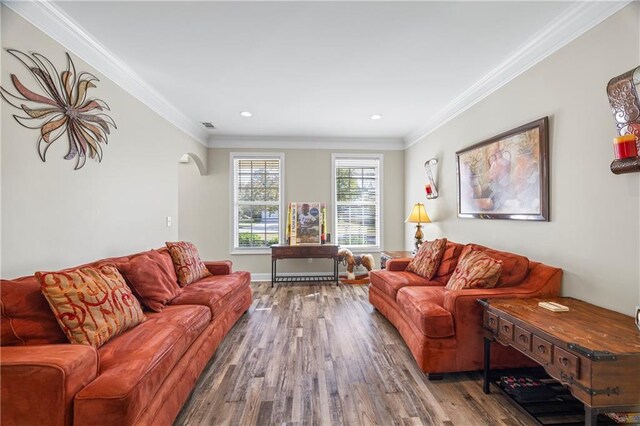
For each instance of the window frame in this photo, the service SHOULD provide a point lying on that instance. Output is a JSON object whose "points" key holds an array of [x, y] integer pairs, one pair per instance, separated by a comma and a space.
{"points": [[234, 249], [380, 194]]}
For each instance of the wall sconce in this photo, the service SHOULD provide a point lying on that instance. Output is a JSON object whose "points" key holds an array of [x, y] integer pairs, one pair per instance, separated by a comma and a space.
{"points": [[625, 106], [430, 187]]}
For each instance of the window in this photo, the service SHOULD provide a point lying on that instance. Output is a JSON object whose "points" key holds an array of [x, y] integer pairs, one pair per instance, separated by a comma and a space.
{"points": [[356, 196], [257, 200]]}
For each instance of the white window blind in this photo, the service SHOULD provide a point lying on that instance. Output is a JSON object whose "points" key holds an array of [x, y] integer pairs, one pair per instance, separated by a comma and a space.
{"points": [[257, 188], [357, 201]]}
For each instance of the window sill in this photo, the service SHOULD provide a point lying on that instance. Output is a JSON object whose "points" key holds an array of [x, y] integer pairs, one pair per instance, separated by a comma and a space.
{"points": [[250, 251]]}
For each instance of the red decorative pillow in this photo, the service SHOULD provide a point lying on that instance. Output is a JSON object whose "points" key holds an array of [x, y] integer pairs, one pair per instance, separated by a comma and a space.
{"points": [[187, 263], [92, 305], [475, 270], [152, 278], [449, 260], [427, 259]]}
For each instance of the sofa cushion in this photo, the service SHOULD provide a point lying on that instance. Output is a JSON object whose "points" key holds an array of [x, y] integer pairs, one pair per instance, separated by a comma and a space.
{"points": [[424, 306], [187, 263], [514, 266], [26, 318], [475, 270], [92, 305], [389, 282], [449, 260], [427, 259], [152, 278], [134, 365], [25, 315], [214, 291]]}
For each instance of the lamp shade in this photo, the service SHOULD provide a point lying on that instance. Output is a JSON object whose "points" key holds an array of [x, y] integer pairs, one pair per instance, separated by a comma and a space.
{"points": [[418, 214]]}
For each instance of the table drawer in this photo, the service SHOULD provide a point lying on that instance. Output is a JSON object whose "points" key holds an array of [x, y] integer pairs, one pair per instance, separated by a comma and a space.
{"points": [[306, 251], [522, 339], [505, 328], [542, 350], [567, 363], [491, 321]]}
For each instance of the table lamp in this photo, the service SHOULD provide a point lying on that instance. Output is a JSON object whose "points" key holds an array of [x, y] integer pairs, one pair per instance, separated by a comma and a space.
{"points": [[418, 215]]}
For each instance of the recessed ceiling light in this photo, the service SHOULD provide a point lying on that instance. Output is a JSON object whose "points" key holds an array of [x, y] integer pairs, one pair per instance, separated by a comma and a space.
{"points": [[246, 114], [376, 117]]}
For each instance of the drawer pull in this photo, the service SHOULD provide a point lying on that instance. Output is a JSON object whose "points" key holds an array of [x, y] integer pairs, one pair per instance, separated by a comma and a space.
{"points": [[563, 360], [523, 338], [492, 320], [505, 328], [542, 349]]}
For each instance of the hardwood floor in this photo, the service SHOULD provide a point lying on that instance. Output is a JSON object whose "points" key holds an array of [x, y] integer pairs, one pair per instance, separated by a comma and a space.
{"points": [[320, 354]]}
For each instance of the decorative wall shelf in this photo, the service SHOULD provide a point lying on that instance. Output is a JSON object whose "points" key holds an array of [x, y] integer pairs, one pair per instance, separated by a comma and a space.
{"points": [[627, 165], [625, 105]]}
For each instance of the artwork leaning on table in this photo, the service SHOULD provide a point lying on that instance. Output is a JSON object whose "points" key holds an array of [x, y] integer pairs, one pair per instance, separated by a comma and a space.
{"points": [[306, 223]]}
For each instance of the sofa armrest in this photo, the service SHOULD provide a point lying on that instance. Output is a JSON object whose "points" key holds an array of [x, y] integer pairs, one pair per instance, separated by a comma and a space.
{"points": [[398, 264], [542, 281], [222, 267], [39, 382]]}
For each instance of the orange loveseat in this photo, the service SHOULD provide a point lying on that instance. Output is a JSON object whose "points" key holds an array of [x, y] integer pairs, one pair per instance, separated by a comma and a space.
{"points": [[140, 377], [443, 328]]}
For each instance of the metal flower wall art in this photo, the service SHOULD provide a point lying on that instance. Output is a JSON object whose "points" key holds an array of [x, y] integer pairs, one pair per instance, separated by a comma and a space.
{"points": [[60, 105]]}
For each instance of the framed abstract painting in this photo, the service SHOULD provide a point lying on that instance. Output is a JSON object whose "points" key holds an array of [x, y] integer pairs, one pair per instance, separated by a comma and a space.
{"points": [[506, 176]]}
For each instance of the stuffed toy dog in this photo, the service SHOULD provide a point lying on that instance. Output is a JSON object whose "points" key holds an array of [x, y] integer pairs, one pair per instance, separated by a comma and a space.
{"points": [[352, 262]]}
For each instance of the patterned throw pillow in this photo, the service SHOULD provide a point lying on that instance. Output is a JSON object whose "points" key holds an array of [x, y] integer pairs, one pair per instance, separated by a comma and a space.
{"points": [[428, 258], [186, 260], [475, 270], [92, 305]]}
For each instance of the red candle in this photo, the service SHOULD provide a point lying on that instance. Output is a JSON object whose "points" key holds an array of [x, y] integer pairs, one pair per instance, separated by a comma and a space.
{"points": [[625, 147], [427, 189]]}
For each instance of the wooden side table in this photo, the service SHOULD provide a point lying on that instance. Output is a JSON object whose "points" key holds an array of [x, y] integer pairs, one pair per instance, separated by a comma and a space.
{"points": [[315, 251], [393, 254], [593, 351]]}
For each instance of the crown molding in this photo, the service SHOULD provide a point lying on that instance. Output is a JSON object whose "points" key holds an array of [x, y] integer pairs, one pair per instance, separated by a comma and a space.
{"points": [[50, 19], [577, 19], [306, 142]]}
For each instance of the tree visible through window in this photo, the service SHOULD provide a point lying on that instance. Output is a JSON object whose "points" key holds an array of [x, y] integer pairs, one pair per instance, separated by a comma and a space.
{"points": [[257, 204], [357, 201]]}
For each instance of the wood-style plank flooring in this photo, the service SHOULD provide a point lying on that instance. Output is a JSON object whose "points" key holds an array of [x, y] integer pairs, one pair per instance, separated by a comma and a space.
{"points": [[320, 354]]}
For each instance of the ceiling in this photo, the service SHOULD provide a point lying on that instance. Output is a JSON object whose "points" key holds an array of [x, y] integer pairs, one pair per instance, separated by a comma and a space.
{"points": [[312, 69]]}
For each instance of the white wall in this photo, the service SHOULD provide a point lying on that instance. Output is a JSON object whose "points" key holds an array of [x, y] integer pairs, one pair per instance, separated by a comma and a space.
{"points": [[205, 204], [54, 216], [595, 215]]}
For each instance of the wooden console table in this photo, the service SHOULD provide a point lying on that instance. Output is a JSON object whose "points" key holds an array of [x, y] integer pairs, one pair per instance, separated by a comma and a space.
{"points": [[315, 251], [593, 351], [393, 254]]}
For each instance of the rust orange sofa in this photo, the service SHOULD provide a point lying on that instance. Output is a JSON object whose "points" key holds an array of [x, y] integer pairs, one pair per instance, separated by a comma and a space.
{"points": [[443, 328], [140, 377]]}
